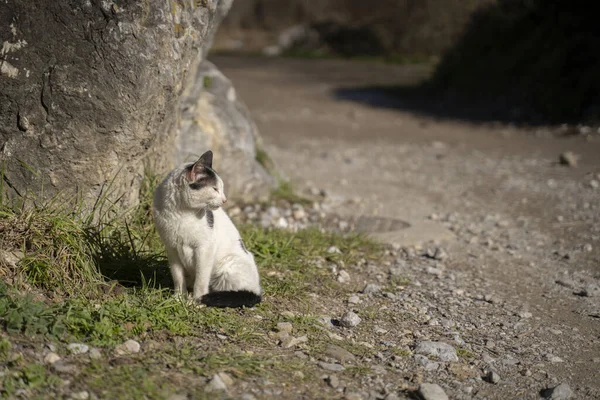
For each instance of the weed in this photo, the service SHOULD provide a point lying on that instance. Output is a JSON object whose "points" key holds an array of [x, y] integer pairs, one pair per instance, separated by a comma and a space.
{"points": [[285, 191], [207, 82], [401, 352], [464, 353]]}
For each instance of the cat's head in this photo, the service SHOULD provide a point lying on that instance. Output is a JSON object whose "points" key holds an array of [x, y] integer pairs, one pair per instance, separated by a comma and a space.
{"points": [[201, 186]]}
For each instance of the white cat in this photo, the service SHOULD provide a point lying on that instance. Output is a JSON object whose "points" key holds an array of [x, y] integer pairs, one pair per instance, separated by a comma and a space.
{"points": [[205, 251]]}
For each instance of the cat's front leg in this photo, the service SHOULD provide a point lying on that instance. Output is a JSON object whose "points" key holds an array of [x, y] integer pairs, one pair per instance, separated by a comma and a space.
{"points": [[177, 273], [203, 262]]}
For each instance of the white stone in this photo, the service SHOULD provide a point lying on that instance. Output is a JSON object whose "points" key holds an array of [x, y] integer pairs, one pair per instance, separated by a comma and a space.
{"points": [[350, 319], [51, 358], [128, 347], [78, 348]]}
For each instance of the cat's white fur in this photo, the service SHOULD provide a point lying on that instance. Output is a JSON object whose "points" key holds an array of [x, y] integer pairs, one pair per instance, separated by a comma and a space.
{"points": [[201, 257]]}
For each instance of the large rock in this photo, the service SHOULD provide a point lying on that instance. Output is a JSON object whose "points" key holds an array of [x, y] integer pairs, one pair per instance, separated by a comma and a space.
{"points": [[212, 117], [90, 92]]}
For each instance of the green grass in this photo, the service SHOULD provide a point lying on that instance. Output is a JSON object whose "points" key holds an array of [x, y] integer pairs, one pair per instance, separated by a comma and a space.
{"points": [[99, 276], [465, 354]]}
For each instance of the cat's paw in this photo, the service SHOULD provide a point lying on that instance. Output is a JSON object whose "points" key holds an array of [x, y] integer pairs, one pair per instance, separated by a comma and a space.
{"points": [[182, 297], [197, 302]]}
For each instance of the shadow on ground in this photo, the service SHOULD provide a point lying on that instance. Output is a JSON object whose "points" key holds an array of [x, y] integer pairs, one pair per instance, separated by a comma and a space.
{"points": [[527, 62], [119, 260]]}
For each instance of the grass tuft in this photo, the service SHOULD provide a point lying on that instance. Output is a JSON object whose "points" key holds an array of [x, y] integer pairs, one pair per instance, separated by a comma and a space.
{"points": [[285, 191]]}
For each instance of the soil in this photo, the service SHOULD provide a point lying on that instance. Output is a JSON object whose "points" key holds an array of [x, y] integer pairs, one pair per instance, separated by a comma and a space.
{"points": [[515, 282]]}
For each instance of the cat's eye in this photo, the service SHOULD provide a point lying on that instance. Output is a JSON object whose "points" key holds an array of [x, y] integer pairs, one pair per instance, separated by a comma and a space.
{"points": [[216, 190]]}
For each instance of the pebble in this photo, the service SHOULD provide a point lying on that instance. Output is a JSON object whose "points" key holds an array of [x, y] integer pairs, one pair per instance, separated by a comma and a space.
{"points": [[493, 377], [350, 319], [61, 367], [552, 358], [331, 367], [285, 327], [566, 282], [560, 392], [78, 348], [83, 395], [569, 159], [434, 271], [525, 314], [353, 396], [428, 364], [282, 223], [95, 354], [298, 375], [487, 359], [343, 277], [291, 341], [354, 299], [339, 353], [371, 288], [128, 347], [440, 254], [325, 321], [177, 397], [334, 250], [431, 391], [443, 351], [591, 291], [216, 384], [594, 184], [51, 358], [333, 381], [225, 378]]}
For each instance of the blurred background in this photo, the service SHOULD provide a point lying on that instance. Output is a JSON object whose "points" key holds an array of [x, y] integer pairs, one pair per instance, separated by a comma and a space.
{"points": [[533, 61]]}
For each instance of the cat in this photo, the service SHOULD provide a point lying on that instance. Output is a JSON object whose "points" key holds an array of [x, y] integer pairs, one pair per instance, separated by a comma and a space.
{"points": [[205, 251]]}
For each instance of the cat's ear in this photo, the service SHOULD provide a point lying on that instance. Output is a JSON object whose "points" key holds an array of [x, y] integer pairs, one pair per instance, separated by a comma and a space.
{"points": [[198, 170], [205, 159]]}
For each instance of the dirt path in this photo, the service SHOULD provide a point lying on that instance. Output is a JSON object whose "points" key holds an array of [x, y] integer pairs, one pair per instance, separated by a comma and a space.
{"points": [[513, 221]]}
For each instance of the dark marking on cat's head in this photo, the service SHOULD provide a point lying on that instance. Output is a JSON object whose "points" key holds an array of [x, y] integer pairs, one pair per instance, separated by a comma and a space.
{"points": [[201, 176], [210, 218], [207, 180], [243, 246]]}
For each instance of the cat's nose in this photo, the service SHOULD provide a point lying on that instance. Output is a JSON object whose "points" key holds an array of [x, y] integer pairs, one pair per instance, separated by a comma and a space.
{"points": [[224, 200]]}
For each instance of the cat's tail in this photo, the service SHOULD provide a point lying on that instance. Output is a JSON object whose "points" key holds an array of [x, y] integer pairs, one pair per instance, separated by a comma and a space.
{"points": [[231, 298]]}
